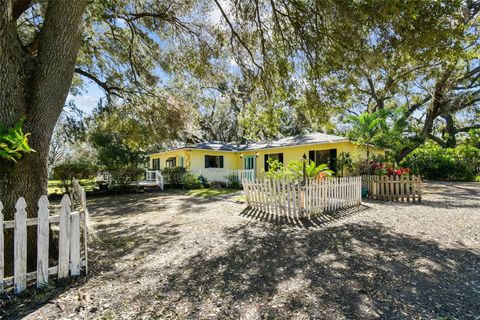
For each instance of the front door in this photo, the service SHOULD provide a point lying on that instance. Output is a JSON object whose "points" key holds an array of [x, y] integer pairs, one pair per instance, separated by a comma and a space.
{"points": [[249, 164]]}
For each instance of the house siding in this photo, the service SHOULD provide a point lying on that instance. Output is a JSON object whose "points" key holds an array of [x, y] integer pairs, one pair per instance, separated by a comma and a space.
{"points": [[194, 159], [297, 152]]}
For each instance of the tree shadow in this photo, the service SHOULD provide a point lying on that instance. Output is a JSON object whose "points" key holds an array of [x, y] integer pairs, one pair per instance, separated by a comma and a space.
{"points": [[317, 221], [349, 271]]}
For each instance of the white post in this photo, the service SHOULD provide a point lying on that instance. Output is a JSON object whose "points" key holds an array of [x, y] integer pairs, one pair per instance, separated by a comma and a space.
{"points": [[64, 241], [20, 251], [75, 244], [42, 242]]}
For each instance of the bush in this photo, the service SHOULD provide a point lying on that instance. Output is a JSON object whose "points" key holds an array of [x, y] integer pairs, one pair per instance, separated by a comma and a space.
{"points": [[233, 182], [294, 170], [192, 182], [69, 170], [434, 162], [174, 175], [125, 176], [217, 184]]}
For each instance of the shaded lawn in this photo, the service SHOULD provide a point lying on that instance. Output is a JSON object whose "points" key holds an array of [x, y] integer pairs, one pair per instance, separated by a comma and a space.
{"points": [[55, 186], [210, 192]]}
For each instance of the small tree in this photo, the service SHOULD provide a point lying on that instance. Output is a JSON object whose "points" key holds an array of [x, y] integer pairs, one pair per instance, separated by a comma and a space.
{"points": [[69, 170], [344, 162]]}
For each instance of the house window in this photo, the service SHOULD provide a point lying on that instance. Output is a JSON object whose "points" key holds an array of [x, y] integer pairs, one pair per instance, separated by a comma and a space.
{"points": [[213, 161], [324, 156], [171, 162], [182, 162], [274, 156], [156, 164]]}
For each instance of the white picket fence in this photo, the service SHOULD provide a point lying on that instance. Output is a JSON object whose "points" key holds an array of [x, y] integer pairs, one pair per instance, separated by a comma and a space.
{"points": [[71, 224], [225, 175], [292, 199]]}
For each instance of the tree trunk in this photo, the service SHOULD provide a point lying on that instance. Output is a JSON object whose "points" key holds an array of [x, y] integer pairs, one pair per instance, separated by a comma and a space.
{"points": [[35, 86]]}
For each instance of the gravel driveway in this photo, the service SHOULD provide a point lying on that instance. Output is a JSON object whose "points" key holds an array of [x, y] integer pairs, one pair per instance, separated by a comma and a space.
{"points": [[172, 256]]}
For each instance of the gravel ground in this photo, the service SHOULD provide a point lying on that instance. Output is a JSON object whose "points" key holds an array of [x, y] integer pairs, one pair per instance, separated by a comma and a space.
{"points": [[171, 256]]}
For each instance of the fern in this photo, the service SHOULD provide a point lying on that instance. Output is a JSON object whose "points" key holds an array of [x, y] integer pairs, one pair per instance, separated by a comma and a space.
{"points": [[14, 142]]}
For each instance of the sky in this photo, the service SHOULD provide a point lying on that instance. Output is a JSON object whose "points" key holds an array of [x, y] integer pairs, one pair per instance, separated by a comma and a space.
{"points": [[88, 99]]}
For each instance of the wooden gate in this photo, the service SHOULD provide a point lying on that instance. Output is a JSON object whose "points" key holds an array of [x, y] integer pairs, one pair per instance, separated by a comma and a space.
{"points": [[70, 223], [393, 188]]}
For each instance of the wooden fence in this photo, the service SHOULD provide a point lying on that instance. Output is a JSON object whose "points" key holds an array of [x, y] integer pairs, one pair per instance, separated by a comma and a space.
{"points": [[393, 188], [70, 222], [291, 198]]}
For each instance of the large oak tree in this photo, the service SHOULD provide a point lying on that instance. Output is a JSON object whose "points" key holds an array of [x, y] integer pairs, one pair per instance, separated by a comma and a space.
{"points": [[48, 48]]}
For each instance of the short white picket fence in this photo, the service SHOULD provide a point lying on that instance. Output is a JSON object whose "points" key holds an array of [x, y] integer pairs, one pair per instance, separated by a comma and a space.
{"points": [[72, 224], [293, 199]]}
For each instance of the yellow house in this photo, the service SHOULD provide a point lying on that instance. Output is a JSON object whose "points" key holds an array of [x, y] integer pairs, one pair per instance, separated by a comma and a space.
{"points": [[318, 147]]}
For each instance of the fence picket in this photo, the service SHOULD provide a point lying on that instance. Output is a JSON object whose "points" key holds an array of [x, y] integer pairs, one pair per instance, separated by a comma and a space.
{"points": [[42, 242], [64, 238], [75, 244], [419, 182], [20, 249], [413, 189]]}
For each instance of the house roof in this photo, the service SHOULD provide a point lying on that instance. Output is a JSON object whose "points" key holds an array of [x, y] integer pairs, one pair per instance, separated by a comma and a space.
{"points": [[304, 139]]}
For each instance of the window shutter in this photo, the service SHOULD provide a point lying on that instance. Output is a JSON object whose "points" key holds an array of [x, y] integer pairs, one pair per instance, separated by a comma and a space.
{"points": [[206, 162], [311, 155], [266, 162], [221, 161], [280, 157], [333, 159]]}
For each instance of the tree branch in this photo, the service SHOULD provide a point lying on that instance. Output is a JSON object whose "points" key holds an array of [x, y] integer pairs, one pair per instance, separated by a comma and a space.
{"points": [[466, 129], [236, 35], [111, 90]]}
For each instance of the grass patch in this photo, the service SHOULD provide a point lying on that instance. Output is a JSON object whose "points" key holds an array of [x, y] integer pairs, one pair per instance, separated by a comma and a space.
{"points": [[55, 186], [210, 192]]}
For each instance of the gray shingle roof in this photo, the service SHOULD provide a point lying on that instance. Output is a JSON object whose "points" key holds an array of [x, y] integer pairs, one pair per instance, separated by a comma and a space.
{"points": [[305, 139]]}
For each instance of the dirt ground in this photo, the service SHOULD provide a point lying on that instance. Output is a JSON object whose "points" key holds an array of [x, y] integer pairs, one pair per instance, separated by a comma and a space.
{"points": [[172, 256]]}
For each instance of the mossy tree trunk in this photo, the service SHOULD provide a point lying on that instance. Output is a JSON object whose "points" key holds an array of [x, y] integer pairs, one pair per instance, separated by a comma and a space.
{"points": [[34, 83]]}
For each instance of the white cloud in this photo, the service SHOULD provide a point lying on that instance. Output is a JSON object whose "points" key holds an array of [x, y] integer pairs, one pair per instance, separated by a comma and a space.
{"points": [[215, 15], [85, 103]]}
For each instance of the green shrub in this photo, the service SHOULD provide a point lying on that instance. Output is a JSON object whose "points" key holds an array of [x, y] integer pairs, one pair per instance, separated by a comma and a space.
{"points": [[192, 182], [434, 162], [217, 184], [174, 175], [294, 170], [69, 170], [233, 182], [125, 176]]}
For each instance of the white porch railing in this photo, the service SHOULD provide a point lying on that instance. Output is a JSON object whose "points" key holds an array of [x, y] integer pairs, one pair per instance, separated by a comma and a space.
{"points": [[153, 178], [226, 176]]}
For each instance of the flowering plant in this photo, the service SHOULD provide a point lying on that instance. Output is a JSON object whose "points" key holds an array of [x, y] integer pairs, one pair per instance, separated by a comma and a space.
{"points": [[398, 172]]}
